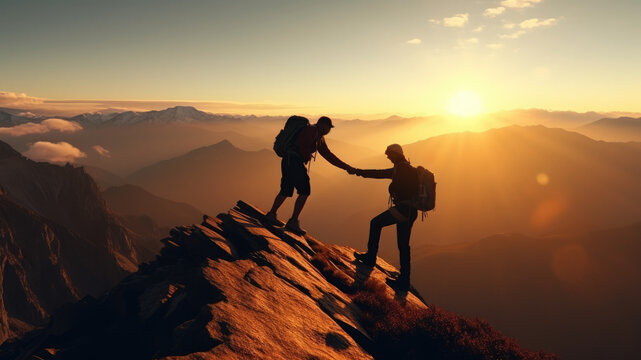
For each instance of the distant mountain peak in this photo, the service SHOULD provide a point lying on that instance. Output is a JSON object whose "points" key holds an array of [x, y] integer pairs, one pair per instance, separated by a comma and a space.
{"points": [[184, 108], [224, 143]]}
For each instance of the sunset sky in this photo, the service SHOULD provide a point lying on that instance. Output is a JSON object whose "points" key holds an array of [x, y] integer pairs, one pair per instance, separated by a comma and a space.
{"points": [[350, 57]]}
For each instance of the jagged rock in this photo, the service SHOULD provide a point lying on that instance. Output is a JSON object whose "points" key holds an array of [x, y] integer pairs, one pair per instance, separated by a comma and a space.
{"points": [[229, 288], [235, 287]]}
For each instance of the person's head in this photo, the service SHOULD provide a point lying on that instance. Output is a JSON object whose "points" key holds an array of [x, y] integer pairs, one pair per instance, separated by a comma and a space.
{"points": [[324, 125], [394, 153]]}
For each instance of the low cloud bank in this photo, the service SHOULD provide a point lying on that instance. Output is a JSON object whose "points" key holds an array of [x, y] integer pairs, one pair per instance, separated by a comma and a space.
{"points": [[43, 127], [61, 152]]}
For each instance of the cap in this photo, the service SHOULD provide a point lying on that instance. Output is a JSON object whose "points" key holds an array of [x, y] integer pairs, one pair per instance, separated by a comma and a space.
{"points": [[325, 120], [394, 148]]}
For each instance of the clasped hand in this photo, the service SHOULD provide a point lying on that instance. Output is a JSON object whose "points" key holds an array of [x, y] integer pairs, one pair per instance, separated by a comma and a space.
{"points": [[354, 171]]}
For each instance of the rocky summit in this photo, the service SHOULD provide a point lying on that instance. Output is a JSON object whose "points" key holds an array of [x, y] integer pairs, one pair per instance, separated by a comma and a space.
{"points": [[235, 287]]}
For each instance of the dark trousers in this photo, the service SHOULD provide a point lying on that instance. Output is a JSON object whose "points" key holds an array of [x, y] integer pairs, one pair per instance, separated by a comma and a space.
{"points": [[403, 232]]}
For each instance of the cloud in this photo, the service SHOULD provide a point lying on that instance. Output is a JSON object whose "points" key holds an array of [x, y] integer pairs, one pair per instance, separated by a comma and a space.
{"points": [[40, 128], [60, 152], [495, 46], [17, 99], [101, 151], [509, 26], [535, 23], [519, 3], [24, 129], [435, 21], [514, 35], [494, 12], [479, 29], [414, 41], [27, 114], [458, 20], [61, 125], [72, 107]]}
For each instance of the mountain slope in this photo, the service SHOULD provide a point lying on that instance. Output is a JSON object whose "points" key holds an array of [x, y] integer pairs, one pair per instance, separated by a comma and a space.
{"points": [[147, 216], [586, 284], [619, 129], [69, 197], [44, 266], [58, 241], [212, 177], [232, 288], [103, 178], [133, 200]]}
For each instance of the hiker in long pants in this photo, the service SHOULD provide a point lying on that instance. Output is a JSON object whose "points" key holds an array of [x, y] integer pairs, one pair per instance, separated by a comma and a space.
{"points": [[402, 213], [306, 142]]}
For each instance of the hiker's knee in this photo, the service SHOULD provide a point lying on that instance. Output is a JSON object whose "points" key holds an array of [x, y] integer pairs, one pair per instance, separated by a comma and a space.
{"points": [[376, 222], [304, 190], [286, 191]]}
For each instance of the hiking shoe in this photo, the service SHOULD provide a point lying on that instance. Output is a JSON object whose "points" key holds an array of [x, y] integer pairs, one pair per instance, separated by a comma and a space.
{"points": [[365, 258], [293, 226], [272, 219], [398, 283]]}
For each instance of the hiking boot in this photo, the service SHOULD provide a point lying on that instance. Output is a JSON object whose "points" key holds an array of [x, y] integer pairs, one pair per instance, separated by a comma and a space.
{"points": [[365, 258], [272, 219], [293, 226], [400, 283]]}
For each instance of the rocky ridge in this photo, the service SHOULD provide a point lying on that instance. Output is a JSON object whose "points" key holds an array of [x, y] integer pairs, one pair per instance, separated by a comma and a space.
{"points": [[233, 287]]}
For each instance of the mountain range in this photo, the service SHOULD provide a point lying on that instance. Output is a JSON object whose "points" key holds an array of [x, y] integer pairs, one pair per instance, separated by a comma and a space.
{"points": [[516, 179], [535, 195], [176, 114]]}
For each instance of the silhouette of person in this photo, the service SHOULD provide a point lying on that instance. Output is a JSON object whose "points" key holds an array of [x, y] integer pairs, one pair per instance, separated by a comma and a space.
{"points": [[294, 173], [402, 213]]}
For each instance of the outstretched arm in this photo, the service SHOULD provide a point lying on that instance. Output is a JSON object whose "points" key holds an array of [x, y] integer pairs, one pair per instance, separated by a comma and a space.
{"points": [[330, 157], [376, 173]]}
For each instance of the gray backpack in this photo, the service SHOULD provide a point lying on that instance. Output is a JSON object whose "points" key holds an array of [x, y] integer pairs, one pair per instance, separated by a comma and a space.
{"points": [[287, 136]]}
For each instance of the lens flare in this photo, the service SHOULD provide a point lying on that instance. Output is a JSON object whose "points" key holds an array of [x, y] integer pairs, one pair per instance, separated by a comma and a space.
{"points": [[543, 179]]}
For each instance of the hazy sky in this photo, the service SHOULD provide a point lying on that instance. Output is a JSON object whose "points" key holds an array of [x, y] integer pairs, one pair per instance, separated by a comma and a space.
{"points": [[359, 56]]}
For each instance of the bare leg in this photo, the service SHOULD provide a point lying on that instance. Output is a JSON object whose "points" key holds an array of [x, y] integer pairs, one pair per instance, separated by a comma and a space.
{"points": [[278, 201], [298, 206]]}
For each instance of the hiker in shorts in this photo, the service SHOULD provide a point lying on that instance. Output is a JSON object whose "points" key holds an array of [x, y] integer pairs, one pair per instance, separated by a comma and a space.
{"points": [[295, 174], [402, 213]]}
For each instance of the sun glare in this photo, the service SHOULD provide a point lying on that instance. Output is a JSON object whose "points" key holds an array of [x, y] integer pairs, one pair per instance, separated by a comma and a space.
{"points": [[465, 103]]}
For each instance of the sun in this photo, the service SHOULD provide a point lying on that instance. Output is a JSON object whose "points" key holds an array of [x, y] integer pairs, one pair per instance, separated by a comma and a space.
{"points": [[465, 103]]}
